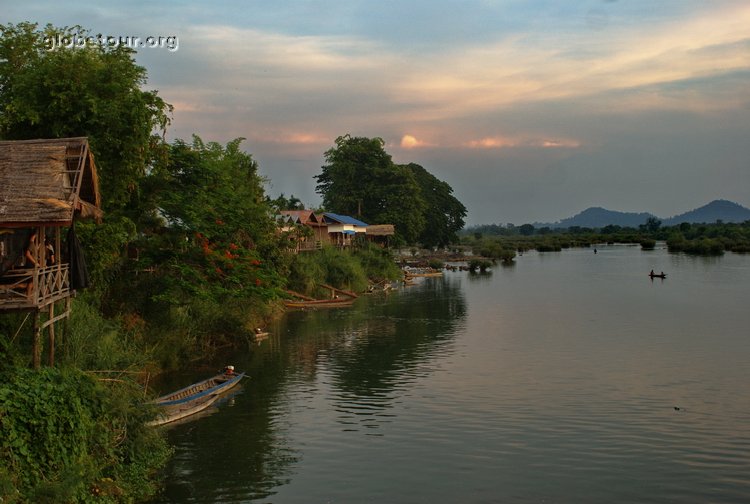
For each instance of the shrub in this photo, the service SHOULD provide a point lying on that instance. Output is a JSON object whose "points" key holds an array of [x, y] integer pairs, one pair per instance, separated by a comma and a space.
{"points": [[479, 264], [68, 438], [648, 244], [436, 264]]}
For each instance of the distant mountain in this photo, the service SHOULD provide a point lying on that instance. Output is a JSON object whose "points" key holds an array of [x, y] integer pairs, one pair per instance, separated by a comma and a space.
{"points": [[723, 210], [597, 217]]}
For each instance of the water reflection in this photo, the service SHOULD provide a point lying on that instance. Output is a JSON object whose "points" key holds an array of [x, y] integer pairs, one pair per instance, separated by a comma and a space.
{"points": [[551, 381], [391, 347], [352, 364], [237, 455]]}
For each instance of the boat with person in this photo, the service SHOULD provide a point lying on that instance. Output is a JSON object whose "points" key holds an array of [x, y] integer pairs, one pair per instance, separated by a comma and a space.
{"points": [[194, 398], [657, 275]]}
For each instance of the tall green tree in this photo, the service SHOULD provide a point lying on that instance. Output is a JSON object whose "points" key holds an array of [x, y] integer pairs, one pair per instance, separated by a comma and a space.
{"points": [[93, 91], [360, 179], [444, 214]]}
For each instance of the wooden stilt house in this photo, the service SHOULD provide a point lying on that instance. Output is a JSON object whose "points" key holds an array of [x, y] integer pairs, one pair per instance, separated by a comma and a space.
{"points": [[45, 185]]}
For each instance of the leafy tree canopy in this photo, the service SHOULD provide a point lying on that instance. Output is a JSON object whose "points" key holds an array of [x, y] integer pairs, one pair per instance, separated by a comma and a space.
{"points": [[93, 91], [444, 214], [361, 180], [284, 203]]}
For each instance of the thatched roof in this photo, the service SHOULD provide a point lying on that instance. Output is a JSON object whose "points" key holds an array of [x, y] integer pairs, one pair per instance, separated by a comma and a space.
{"points": [[45, 182], [380, 230]]}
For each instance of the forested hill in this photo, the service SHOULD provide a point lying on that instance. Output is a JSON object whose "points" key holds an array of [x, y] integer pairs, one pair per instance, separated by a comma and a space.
{"points": [[597, 217], [723, 210]]}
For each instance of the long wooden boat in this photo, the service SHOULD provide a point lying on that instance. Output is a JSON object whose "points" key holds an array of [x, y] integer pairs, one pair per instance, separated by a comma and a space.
{"points": [[421, 272], [340, 298], [193, 398], [424, 275], [320, 303], [657, 275]]}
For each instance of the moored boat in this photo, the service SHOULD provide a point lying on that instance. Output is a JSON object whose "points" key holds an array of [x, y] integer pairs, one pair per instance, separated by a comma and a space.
{"points": [[194, 398], [339, 298], [320, 303]]}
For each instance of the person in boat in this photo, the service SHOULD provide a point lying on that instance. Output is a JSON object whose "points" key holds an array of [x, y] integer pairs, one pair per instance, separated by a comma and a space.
{"points": [[652, 273], [229, 371]]}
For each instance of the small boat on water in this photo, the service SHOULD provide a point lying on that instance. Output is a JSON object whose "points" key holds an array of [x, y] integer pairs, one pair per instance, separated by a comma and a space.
{"points": [[339, 299], [194, 398], [320, 303], [421, 272], [657, 275]]}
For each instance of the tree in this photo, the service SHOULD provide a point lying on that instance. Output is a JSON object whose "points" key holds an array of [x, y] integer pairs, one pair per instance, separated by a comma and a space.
{"points": [[284, 203], [218, 238], [360, 179], [93, 91], [444, 214], [526, 229], [651, 226]]}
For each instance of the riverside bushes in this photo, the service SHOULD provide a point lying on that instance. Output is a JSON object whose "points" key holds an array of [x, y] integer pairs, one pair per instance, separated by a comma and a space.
{"points": [[66, 437], [345, 269]]}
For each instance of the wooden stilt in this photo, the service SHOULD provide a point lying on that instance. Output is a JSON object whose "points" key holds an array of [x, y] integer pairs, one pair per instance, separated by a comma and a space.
{"points": [[51, 343], [36, 345], [66, 326]]}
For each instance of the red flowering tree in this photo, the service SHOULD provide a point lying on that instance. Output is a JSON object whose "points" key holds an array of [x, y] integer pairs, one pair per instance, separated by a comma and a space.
{"points": [[213, 235]]}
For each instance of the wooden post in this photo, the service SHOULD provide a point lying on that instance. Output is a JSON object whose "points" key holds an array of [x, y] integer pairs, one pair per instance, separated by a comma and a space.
{"points": [[66, 325], [52, 335], [36, 345]]}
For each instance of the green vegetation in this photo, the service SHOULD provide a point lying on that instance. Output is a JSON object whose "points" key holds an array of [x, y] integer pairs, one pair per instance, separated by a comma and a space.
{"points": [[482, 265], [648, 244], [347, 269], [67, 437], [699, 239], [360, 179]]}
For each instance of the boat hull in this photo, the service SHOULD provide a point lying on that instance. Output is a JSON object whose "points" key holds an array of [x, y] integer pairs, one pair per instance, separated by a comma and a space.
{"points": [[193, 398]]}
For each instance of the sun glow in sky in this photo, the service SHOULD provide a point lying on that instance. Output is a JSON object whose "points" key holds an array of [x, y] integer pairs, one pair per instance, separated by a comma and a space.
{"points": [[532, 111]]}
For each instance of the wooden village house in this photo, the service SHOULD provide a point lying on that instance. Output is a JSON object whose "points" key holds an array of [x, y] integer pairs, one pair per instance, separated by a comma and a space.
{"points": [[330, 228], [342, 229], [45, 185]]}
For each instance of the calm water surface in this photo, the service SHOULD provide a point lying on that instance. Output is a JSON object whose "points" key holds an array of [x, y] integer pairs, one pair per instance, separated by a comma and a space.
{"points": [[569, 377]]}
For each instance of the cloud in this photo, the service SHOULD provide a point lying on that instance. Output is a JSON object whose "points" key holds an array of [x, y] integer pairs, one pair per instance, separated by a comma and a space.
{"points": [[560, 66], [491, 143], [499, 142], [411, 142]]}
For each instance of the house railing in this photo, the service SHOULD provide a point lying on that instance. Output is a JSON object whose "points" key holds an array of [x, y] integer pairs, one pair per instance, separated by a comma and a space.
{"points": [[305, 246], [48, 285]]}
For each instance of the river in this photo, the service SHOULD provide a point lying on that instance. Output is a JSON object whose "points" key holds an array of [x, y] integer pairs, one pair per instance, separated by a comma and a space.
{"points": [[568, 377]]}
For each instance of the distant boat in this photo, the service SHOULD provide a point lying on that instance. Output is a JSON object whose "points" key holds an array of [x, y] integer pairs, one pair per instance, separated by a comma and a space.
{"points": [[657, 275], [193, 398]]}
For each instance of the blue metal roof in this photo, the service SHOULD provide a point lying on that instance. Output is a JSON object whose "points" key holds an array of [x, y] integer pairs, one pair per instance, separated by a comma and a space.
{"points": [[344, 219]]}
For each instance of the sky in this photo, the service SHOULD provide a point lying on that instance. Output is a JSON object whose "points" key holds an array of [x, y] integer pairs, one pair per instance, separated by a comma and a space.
{"points": [[531, 110]]}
